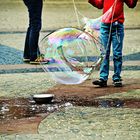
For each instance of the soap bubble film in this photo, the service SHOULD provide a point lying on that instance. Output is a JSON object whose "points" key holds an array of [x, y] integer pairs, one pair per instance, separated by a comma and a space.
{"points": [[72, 53]]}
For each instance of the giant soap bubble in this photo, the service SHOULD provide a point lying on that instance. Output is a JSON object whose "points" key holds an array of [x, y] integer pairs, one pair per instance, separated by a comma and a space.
{"points": [[73, 55]]}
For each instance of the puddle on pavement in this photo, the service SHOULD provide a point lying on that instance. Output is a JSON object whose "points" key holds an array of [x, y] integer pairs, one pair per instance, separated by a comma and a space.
{"points": [[107, 102], [12, 109], [25, 107], [23, 115]]}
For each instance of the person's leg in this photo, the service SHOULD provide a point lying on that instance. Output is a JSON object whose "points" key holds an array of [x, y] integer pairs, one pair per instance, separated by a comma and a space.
{"points": [[117, 42], [26, 53], [35, 13], [104, 69]]}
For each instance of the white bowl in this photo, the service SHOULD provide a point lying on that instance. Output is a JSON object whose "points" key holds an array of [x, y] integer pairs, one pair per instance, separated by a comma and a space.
{"points": [[43, 98]]}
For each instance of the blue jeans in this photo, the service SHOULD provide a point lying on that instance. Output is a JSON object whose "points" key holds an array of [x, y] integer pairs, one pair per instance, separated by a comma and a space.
{"points": [[31, 48], [116, 39]]}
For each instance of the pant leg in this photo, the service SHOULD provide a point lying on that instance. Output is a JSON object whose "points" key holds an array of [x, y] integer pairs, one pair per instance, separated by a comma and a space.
{"points": [[32, 37], [26, 53], [106, 41], [117, 45]]}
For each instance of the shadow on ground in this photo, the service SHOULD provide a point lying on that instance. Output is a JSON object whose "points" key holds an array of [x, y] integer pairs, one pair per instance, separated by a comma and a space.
{"points": [[86, 94], [9, 55]]}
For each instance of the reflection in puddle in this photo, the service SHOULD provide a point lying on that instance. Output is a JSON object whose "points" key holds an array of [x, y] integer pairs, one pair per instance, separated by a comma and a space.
{"points": [[107, 103], [24, 115], [24, 108], [103, 102]]}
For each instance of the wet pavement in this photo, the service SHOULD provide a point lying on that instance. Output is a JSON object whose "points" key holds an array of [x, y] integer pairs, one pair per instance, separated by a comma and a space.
{"points": [[78, 112]]}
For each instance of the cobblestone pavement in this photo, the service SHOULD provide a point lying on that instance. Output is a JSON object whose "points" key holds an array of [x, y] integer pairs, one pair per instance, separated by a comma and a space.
{"points": [[18, 79]]}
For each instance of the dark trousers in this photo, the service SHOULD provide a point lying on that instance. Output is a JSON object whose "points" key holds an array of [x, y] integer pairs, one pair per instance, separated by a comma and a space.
{"points": [[31, 48]]}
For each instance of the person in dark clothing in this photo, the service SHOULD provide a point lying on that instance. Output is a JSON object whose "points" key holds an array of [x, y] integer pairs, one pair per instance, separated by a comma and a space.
{"points": [[31, 48]]}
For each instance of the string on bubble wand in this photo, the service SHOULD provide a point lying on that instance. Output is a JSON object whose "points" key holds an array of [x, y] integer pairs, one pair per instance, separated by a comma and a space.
{"points": [[112, 9], [77, 13], [115, 3]]}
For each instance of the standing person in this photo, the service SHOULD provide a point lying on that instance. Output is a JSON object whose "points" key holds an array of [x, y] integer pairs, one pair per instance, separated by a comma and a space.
{"points": [[31, 49], [112, 32]]}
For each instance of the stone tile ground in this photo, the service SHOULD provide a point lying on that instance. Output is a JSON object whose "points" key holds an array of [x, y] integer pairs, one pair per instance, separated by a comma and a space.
{"points": [[75, 123]]}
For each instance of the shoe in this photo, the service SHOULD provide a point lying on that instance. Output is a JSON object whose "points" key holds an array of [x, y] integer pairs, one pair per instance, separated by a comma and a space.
{"points": [[117, 83], [39, 60], [100, 83], [26, 60]]}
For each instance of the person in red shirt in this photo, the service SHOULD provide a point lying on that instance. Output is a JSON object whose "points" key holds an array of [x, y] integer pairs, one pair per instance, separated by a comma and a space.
{"points": [[112, 32]]}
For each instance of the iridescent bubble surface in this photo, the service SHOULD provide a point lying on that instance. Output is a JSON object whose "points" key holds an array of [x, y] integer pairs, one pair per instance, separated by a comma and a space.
{"points": [[73, 54]]}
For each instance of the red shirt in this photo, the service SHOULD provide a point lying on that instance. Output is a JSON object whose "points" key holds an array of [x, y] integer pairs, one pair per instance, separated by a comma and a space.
{"points": [[118, 14]]}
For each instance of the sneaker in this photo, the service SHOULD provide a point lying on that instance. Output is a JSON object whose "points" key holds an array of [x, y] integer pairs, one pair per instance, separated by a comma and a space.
{"points": [[117, 83], [100, 83], [39, 60], [26, 60]]}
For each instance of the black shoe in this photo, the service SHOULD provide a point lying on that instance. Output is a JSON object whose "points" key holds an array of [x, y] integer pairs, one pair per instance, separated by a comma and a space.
{"points": [[100, 83], [117, 83]]}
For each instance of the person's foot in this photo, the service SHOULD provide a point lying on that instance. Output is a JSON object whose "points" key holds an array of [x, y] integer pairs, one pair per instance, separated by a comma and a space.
{"points": [[39, 60], [117, 83], [100, 83], [26, 60]]}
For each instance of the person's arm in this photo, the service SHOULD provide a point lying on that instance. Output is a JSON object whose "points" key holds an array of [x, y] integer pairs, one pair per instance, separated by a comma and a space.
{"points": [[97, 3], [131, 3]]}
